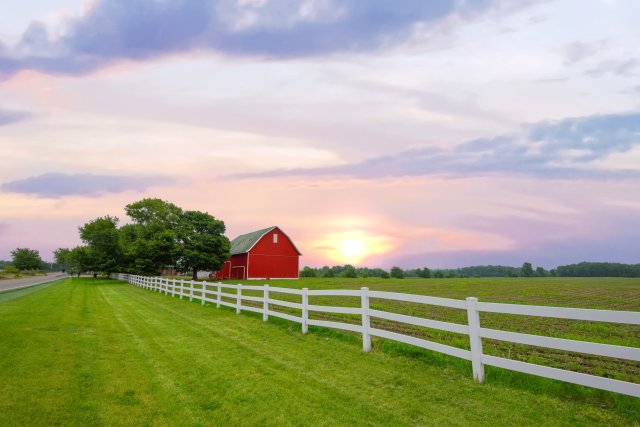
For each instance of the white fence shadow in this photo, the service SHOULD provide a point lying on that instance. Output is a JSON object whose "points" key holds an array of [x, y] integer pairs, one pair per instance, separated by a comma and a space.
{"points": [[214, 292]]}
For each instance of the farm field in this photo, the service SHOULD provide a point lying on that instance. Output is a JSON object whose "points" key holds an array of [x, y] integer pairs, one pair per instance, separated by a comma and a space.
{"points": [[96, 352], [596, 293]]}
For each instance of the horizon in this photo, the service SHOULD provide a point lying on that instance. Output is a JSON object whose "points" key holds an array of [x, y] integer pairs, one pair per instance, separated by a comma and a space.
{"points": [[374, 134]]}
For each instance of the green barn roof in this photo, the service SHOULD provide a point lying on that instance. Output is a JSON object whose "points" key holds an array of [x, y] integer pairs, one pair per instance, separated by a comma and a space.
{"points": [[244, 242]]}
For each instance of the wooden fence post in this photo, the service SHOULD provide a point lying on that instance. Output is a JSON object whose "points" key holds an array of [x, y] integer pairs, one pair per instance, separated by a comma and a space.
{"points": [[239, 301], [473, 317], [265, 304], [173, 288], [305, 310], [181, 287], [202, 292], [191, 285], [366, 338], [219, 296]]}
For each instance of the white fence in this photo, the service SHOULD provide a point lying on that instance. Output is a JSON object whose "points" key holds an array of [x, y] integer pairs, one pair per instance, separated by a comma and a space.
{"points": [[214, 292]]}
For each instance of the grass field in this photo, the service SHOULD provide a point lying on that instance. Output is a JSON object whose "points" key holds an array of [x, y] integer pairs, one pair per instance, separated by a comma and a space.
{"points": [[598, 293], [92, 352]]}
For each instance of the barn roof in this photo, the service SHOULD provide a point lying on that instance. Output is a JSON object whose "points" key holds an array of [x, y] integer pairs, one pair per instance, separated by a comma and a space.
{"points": [[245, 242]]}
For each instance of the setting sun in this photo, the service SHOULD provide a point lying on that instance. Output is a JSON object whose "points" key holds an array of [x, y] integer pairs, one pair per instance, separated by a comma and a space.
{"points": [[353, 248]]}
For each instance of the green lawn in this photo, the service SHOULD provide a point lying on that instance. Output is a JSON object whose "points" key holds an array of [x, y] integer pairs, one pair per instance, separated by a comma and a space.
{"points": [[90, 352]]}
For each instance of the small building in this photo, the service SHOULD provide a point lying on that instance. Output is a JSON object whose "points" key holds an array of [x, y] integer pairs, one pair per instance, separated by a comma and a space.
{"points": [[264, 254]]}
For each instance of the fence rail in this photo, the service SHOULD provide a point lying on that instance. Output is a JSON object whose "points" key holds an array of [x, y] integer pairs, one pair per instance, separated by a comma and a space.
{"points": [[214, 292]]}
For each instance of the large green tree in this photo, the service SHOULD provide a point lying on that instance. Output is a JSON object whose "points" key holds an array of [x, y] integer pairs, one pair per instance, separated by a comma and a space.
{"points": [[26, 259], [79, 260], [150, 241], [101, 237], [202, 243]]}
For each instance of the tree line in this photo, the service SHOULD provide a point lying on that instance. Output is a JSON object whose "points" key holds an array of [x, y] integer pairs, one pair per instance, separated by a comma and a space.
{"points": [[160, 234], [583, 269]]}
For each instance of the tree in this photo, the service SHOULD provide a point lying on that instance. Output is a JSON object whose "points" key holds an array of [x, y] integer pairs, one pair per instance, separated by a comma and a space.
{"points": [[526, 270], [308, 272], [150, 242], [423, 272], [80, 260], [540, 272], [101, 237], [26, 259], [61, 256], [203, 245], [397, 273], [349, 271], [328, 272]]}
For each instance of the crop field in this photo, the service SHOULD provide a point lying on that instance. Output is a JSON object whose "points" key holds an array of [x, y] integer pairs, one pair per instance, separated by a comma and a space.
{"points": [[98, 352]]}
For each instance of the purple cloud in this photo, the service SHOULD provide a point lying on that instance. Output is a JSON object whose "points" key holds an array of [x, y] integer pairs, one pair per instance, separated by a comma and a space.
{"points": [[57, 185], [555, 149], [139, 29], [8, 117]]}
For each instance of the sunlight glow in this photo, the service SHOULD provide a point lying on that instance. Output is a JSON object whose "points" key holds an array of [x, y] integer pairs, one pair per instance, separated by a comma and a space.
{"points": [[353, 248]]}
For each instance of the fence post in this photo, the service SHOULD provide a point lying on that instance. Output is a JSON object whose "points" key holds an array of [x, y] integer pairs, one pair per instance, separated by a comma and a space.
{"points": [[366, 323], [473, 317], [239, 302], [191, 285], [265, 304], [305, 310], [219, 296], [173, 288], [204, 287], [181, 287]]}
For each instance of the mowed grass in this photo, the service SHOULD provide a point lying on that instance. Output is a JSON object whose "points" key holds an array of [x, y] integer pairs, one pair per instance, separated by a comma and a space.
{"points": [[92, 352], [597, 293]]}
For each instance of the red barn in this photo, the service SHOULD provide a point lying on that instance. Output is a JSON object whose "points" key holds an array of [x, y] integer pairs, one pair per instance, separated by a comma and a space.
{"points": [[263, 254]]}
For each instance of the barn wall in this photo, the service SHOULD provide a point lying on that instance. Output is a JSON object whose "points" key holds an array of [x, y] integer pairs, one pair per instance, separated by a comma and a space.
{"points": [[273, 266], [238, 266]]}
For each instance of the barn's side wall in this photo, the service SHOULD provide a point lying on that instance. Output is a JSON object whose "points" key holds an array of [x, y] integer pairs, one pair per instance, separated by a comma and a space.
{"points": [[224, 273], [238, 267], [273, 266]]}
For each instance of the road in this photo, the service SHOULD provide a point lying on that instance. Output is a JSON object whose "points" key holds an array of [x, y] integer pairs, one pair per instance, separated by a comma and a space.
{"points": [[24, 282]]}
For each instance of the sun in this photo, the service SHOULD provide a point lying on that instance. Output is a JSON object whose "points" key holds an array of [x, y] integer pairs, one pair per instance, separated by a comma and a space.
{"points": [[352, 248]]}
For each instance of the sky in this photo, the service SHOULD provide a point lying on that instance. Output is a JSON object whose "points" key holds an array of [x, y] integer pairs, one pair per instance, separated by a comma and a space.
{"points": [[373, 132]]}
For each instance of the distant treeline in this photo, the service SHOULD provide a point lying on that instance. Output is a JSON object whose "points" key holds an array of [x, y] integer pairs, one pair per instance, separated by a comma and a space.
{"points": [[583, 269], [599, 269]]}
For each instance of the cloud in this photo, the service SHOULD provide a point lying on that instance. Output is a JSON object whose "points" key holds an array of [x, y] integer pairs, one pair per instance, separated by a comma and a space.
{"points": [[624, 67], [556, 149], [8, 117], [59, 184], [118, 30], [579, 51]]}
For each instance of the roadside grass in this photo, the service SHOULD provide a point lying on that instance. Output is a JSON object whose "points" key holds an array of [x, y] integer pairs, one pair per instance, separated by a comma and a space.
{"points": [[9, 294], [14, 273], [98, 352]]}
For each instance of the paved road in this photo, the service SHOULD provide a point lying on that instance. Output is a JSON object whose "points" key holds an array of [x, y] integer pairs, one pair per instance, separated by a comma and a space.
{"points": [[24, 282]]}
